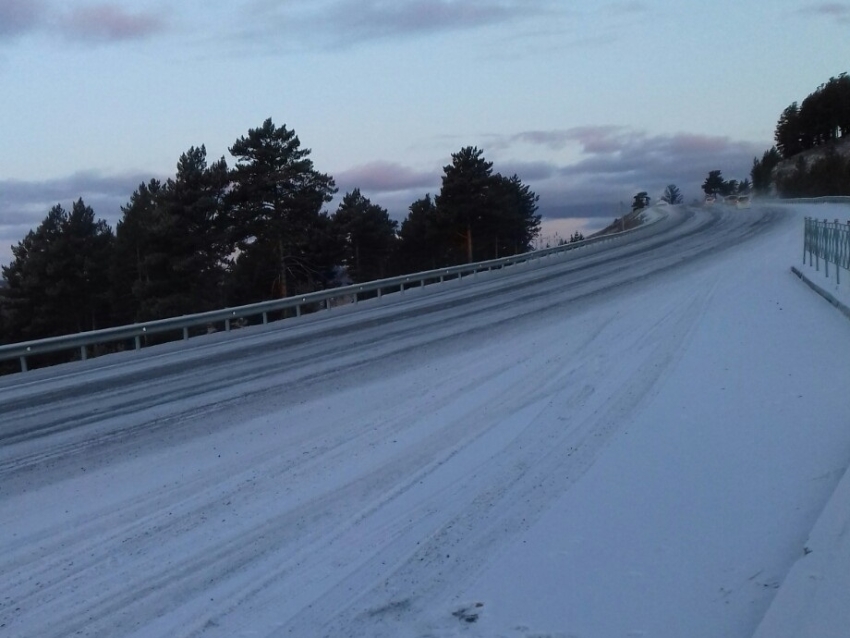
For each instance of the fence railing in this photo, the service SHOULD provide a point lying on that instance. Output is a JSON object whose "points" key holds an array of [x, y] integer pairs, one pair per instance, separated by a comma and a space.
{"points": [[828, 242], [830, 199], [137, 334]]}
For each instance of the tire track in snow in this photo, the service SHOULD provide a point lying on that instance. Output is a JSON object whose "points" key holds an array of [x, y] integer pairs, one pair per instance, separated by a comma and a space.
{"points": [[166, 580]]}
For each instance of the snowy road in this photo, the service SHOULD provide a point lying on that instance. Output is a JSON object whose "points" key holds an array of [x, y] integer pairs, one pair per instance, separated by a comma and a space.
{"points": [[629, 440]]}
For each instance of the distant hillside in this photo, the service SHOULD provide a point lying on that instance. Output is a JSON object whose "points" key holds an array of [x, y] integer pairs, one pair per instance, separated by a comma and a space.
{"points": [[630, 220], [786, 168], [816, 172]]}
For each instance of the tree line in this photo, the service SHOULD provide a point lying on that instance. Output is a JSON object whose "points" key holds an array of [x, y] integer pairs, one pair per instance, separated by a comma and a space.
{"points": [[216, 235], [823, 117], [820, 121]]}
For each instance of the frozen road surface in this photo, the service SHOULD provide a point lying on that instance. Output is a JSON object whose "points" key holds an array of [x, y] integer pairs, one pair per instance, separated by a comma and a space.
{"points": [[627, 441]]}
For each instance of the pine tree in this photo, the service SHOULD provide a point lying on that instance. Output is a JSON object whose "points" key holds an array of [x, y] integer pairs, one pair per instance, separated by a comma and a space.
{"points": [[59, 277], [277, 199], [367, 235]]}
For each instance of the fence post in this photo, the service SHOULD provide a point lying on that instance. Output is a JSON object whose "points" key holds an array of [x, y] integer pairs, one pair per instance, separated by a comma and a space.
{"points": [[806, 241], [835, 244], [815, 242]]}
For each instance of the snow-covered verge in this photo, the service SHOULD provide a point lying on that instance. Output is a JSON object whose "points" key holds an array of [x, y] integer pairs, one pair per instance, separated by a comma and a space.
{"points": [[635, 446], [813, 599], [689, 523]]}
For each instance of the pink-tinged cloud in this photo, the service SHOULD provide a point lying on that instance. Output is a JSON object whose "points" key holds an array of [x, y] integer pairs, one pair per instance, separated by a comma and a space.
{"points": [[109, 23], [840, 11], [384, 177], [18, 17]]}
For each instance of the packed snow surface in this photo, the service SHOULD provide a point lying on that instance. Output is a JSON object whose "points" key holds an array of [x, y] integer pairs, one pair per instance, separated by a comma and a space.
{"points": [[641, 438]]}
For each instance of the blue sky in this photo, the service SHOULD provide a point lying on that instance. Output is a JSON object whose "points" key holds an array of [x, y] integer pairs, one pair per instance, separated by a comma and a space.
{"points": [[588, 103]]}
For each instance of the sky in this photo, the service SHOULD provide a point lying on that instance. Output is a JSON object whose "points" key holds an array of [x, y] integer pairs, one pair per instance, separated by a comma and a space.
{"points": [[588, 103]]}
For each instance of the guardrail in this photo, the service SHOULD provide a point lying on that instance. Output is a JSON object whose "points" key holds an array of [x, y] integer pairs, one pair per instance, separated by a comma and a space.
{"points": [[138, 332], [832, 199], [828, 242]]}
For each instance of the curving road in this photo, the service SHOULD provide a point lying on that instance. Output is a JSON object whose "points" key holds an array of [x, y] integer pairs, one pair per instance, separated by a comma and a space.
{"points": [[349, 473]]}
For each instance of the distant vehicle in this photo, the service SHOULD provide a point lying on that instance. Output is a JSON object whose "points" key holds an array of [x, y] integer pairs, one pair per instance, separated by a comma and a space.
{"points": [[743, 201], [709, 200], [732, 200]]}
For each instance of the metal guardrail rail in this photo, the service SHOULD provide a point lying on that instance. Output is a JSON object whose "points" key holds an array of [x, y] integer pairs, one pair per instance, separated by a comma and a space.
{"points": [[138, 332], [832, 199], [827, 241]]}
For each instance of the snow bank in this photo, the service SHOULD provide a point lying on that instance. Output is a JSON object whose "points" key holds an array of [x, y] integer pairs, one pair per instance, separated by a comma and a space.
{"points": [[813, 600]]}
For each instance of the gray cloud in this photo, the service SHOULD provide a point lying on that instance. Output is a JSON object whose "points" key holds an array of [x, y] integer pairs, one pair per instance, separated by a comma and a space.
{"points": [[614, 163], [93, 23], [343, 23], [18, 17], [839, 11], [108, 23], [384, 177], [23, 204], [628, 8]]}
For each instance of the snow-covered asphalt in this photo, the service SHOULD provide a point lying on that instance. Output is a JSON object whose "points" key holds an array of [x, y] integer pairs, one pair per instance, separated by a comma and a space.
{"points": [[632, 439]]}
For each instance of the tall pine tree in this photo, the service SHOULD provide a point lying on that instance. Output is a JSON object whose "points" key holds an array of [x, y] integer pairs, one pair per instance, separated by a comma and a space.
{"points": [[277, 200]]}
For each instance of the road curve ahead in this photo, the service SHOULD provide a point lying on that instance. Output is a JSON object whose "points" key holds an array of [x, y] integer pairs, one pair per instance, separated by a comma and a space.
{"points": [[351, 472]]}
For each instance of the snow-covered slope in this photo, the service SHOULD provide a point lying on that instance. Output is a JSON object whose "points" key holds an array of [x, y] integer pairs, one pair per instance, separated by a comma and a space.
{"points": [[633, 441]]}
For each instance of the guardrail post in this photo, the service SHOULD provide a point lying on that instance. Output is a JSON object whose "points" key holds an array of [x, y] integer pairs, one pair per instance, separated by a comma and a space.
{"points": [[138, 342], [83, 354], [23, 363], [185, 333], [265, 318], [328, 303]]}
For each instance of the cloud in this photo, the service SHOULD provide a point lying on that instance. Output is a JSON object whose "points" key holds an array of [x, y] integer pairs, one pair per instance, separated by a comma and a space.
{"points": [[108, 23], [612, 164], [384, 177], [615, 162], [608, 165], [374, 19], [18, 17], [620, 8], [93, 23], [343, 23], [839, 11], [24, 204], [592, 139]]}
